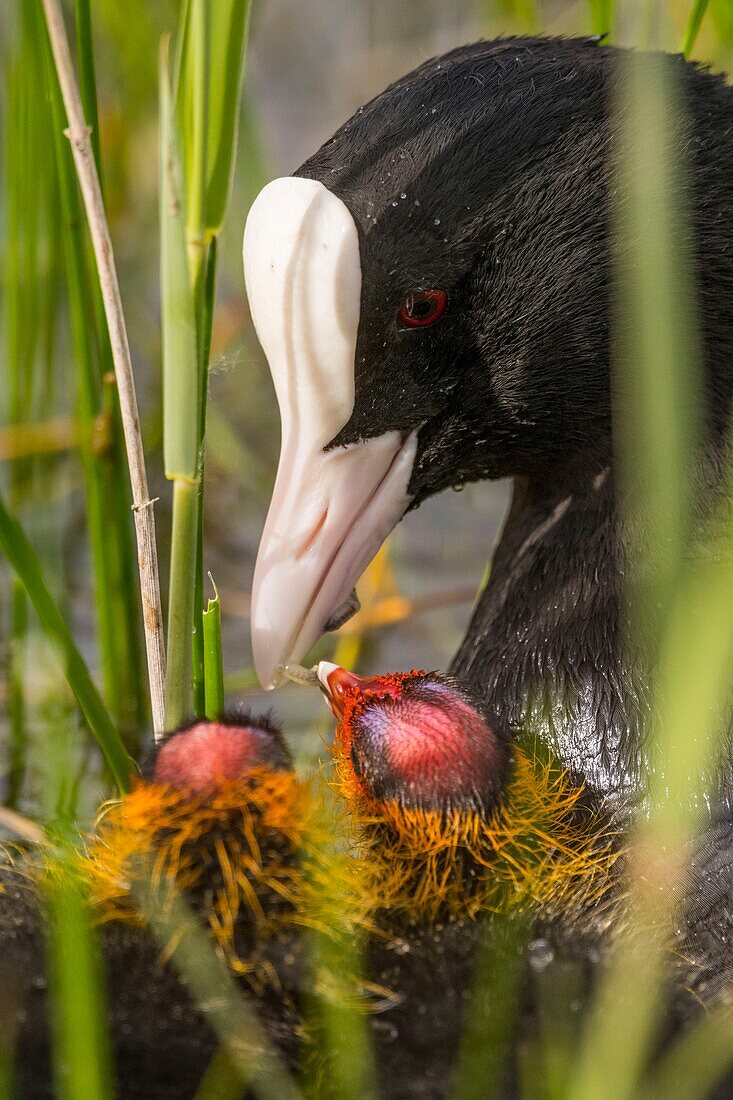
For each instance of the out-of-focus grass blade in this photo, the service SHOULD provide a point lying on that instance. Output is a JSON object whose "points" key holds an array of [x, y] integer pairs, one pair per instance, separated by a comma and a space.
{"points": [[213, 42], [220, 1001], [81, 1049], [17, 331], [337, 1023], [180, 369], [523, 13], [120, 646], [686, 607], [89, 405], [693, 26], [696, 1062], [694, 682], [657, 383], [213, 664], [26, 565], [340, 1028], [222, 1080], [491, 1015], [602, 17]]}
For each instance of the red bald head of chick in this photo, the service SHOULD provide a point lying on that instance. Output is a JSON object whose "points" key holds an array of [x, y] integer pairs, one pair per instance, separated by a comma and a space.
{"points": [[420, 739], [204, 755]]}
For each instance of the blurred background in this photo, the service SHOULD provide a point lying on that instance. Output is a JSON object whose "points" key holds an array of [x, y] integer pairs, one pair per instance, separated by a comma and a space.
{"points": [[310, 64]]}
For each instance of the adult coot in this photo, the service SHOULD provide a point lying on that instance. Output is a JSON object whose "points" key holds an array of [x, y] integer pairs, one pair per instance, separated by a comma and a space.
{"points": [[431, 290]]}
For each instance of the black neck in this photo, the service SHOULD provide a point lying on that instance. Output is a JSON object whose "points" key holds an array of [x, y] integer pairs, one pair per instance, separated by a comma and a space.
{"points": [[545, 641]]}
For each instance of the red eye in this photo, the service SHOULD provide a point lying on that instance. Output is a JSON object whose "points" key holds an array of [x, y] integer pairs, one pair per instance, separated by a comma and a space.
{"points": [[423, 308]]}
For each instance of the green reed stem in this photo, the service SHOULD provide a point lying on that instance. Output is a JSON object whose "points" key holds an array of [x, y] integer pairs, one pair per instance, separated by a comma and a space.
{"points": [[208, 72], [180, 602], [25, 563], [693, 26], [205, 321], [197, 92], [213, 662], [181, 389], [197, 138]]}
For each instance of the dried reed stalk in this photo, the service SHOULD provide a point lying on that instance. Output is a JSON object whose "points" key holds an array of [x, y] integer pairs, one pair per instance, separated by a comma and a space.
{"points": [[142, 506]]}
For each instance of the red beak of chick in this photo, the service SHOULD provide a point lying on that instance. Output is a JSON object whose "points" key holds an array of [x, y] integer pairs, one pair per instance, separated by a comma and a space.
{"points": [[338, 685]]}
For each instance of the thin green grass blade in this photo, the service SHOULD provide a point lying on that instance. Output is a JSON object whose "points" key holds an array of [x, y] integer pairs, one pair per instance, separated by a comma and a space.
{"points": [[206, 315], [81, 1049], [17, 373], [695, 671], [228, 41], [116, 602], [122, 598], [87, 79], [657, 377], [693, 26], [25, 563], [195, 134], [213, 662], [122, 601]]}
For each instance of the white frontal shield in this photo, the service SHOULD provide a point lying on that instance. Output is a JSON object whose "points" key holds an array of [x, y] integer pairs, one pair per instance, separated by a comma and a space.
{"points": [[330, 510]]}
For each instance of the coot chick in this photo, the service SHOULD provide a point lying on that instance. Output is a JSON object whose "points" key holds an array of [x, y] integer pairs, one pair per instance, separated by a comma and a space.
{"points": [[450, 819], [464, 839], [218, 816]]}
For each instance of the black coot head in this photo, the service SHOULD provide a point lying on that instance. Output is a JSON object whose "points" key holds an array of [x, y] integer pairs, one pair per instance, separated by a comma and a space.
{"points": [[484, 175]]}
